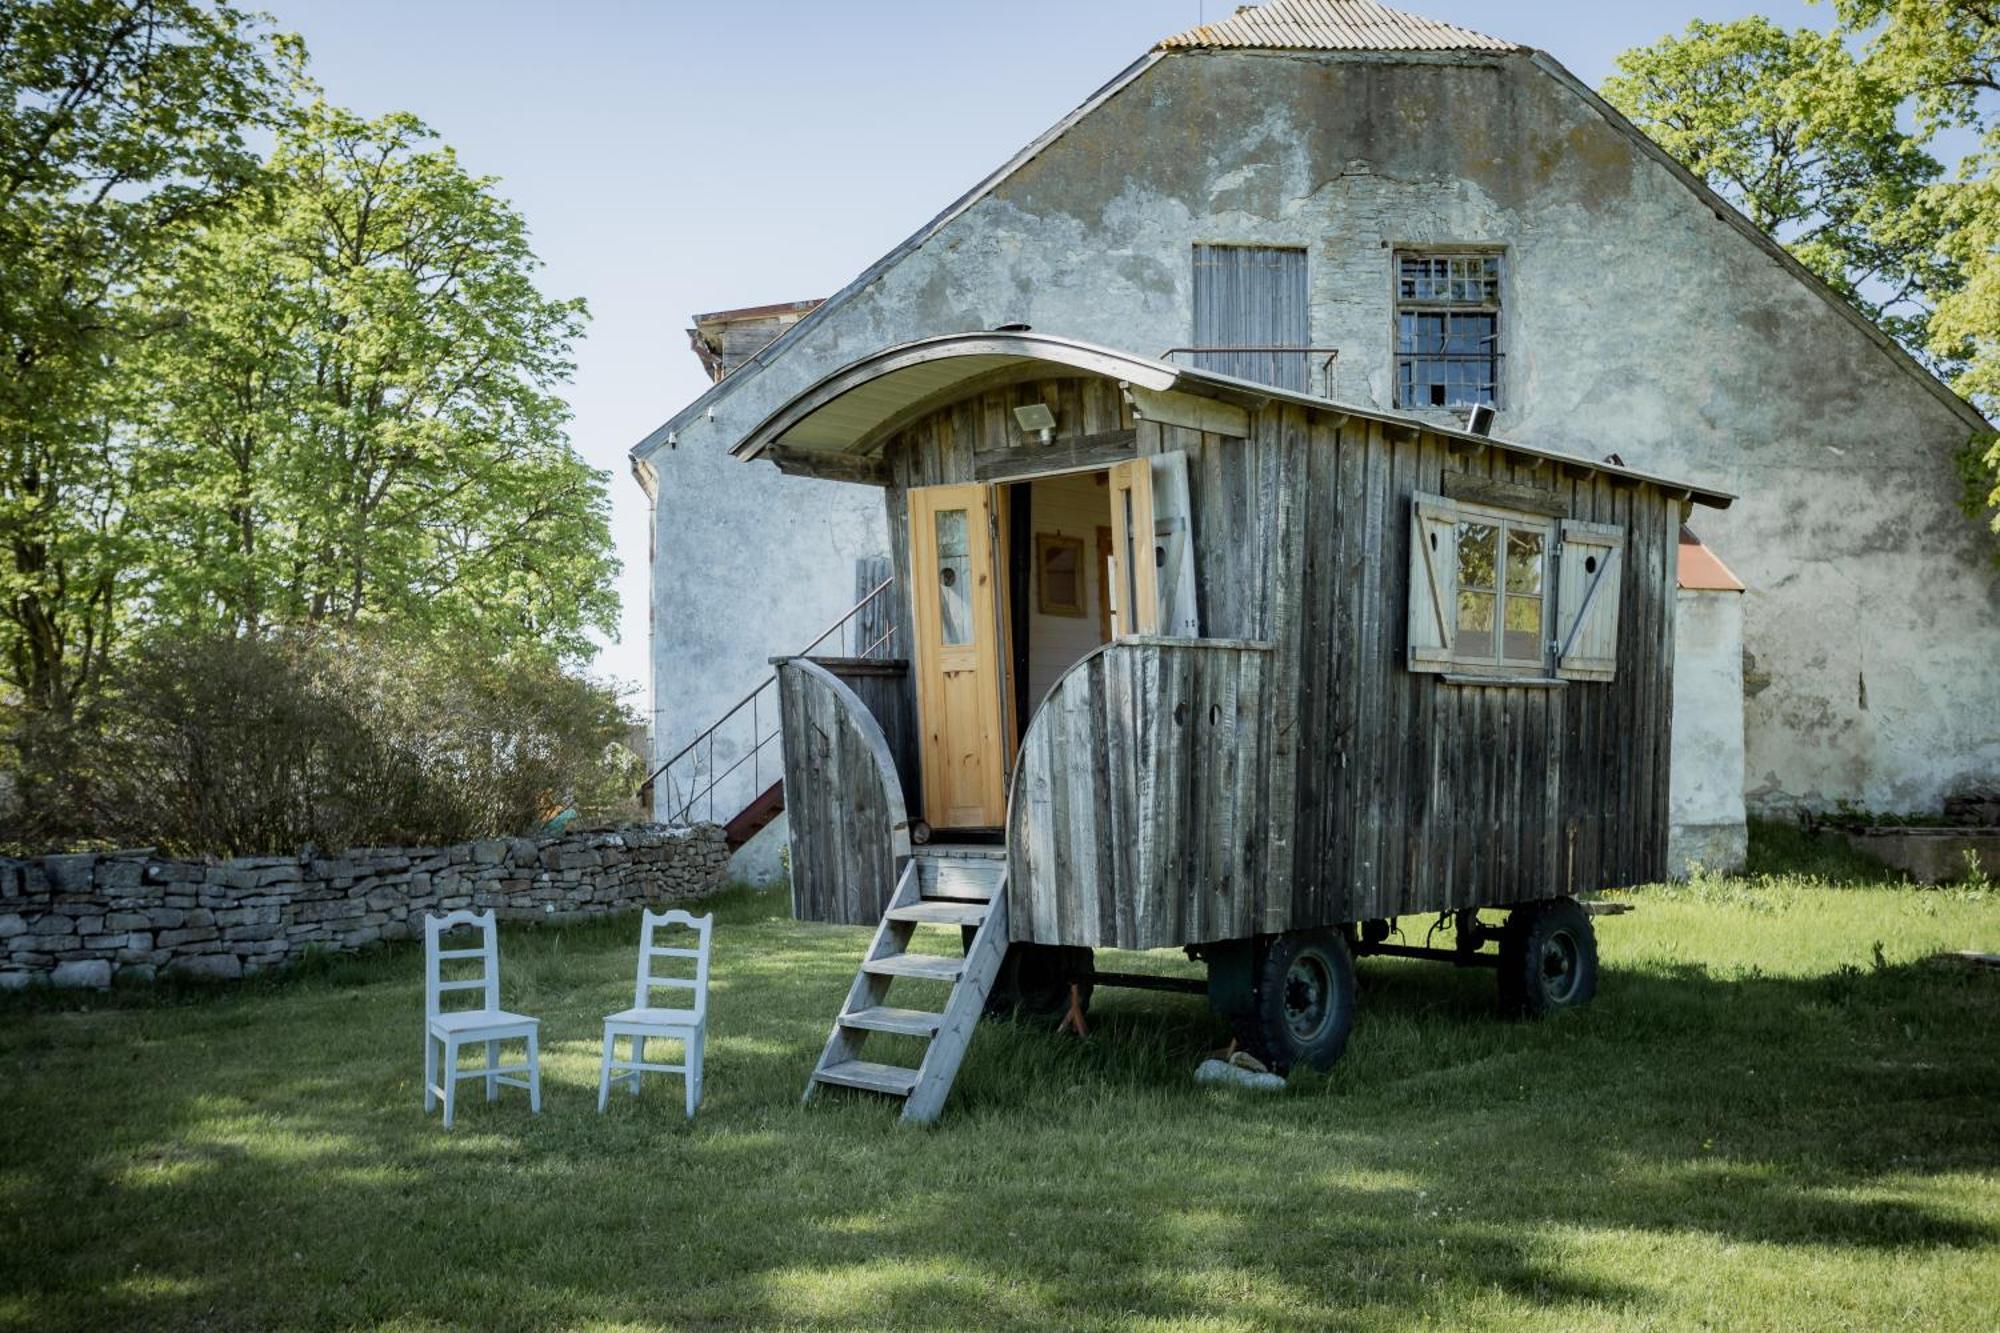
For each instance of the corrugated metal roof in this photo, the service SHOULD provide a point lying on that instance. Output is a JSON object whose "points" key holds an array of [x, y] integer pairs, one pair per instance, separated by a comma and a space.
{"points": [[1332, 25]]}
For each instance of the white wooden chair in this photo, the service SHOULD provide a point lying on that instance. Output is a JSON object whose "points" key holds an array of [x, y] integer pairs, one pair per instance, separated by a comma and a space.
{"points": [[689, 1026], [452, 1029]]}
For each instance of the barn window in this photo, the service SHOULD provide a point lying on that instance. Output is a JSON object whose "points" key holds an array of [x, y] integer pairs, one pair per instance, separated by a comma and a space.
{"points": [[1447, 329], [1498, 592]]}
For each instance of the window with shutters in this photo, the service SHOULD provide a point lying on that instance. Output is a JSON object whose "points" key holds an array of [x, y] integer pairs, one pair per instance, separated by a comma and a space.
{"points": [[1447, 329], [1499, 593]]}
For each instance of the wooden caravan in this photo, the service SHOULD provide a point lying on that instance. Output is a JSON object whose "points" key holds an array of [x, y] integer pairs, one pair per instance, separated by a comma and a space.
{"points": [[1195, 662]]}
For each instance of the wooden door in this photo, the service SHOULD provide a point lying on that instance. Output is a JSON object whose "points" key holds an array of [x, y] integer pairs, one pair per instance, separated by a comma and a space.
{"points": [[961, 710], [1137, 604]]}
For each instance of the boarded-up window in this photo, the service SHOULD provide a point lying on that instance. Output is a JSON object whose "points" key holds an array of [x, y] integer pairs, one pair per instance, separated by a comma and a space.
{"points": [[1250, 305], [1447, 330]]}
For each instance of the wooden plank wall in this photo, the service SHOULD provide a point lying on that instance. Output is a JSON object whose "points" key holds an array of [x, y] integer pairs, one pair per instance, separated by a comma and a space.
{"points": [[849, 829], [1138, 806], [883, 688], [1412, 794]]}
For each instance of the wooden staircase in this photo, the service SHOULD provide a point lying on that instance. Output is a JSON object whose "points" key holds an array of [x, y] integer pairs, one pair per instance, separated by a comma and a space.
{"points": [[965, 888]]}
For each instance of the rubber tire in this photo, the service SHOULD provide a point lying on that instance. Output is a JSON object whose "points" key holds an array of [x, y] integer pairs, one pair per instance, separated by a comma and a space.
{"points": [[1266, 1031], [1527, 988], [1034, 980]]}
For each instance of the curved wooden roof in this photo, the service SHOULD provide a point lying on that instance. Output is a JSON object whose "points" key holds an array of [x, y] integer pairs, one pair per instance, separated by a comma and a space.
{"points": [[848, 415]]}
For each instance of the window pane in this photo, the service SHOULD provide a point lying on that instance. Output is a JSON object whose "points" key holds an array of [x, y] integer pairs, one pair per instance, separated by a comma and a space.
{"points": [[954, 556], [1475, 625], [1477, 544], [1522, 639], [1524, 561]]}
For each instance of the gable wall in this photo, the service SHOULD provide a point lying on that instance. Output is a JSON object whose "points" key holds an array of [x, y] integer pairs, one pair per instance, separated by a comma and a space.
{"points": [[1634, 321]]}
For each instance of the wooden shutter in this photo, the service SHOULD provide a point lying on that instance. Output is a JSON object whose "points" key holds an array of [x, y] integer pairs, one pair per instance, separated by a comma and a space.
{"points": [[1589, 586], [1433, 581], [1252, 296], [1173, 547]]}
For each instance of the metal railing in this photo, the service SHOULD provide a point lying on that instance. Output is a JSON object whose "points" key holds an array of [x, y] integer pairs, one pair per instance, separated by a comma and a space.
{"points": [[692, 780], [1279, 367]]}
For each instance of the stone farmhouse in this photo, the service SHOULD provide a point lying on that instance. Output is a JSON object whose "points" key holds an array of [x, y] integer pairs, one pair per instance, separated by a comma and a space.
{"points": [[1409, 217]]}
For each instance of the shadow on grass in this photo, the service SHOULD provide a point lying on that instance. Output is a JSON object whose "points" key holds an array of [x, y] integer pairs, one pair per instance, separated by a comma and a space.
{"points": [[259, 1158]]}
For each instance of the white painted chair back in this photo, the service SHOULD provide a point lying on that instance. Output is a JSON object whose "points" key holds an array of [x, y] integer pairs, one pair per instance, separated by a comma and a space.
{"points": [[436, 956], [662, 966]]}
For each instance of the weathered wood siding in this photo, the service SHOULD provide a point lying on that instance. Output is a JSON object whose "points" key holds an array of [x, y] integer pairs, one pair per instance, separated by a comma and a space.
{"points": [[1383, 792], [1138, 808], [843, 797], [883, 688]]}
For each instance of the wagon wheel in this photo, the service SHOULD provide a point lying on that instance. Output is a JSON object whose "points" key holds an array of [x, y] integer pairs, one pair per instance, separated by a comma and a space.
{"points": [[1304, 1005], [1548, 958]]}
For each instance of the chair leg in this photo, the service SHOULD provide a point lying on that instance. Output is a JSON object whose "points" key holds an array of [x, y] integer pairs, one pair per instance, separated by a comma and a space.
{"points": [[450, 1080], [700, 1062], [492, 1063], [534, 1072], [604, 1069], [638, 1058], [430, 1072], [690, 1080]]}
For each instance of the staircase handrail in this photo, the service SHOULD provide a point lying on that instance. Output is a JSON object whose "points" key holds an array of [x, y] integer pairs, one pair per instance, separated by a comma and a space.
{"points": [[751, 701]]}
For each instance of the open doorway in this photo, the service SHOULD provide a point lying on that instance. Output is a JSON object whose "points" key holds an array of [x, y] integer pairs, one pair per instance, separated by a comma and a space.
{"points": [[1012, 585]]}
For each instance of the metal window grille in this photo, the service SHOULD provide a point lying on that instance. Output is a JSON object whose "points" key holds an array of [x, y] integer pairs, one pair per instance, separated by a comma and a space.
{"points": [[1447, 330]]}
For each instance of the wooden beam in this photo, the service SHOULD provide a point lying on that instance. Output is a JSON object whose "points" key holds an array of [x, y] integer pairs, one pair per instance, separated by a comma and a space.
{"points": [[828, 466], [1505, 494], [1171, 408], [1032, 456]]}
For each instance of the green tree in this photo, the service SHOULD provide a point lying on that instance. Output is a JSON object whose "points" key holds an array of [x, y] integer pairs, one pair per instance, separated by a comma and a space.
{"points": [[122, 127], [1805, 140], [358, 420], [1945, 57]]}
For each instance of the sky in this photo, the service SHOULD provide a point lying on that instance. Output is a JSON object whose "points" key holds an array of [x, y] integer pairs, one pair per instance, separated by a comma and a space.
{"points": [[673, 157]]}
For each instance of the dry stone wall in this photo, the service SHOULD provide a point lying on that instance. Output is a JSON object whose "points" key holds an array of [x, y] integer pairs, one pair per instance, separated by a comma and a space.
{"points": [[89, 918]]}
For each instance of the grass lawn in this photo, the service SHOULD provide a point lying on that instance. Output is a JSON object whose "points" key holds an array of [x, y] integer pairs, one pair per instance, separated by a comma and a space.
{"points": [[1774, 1116]]}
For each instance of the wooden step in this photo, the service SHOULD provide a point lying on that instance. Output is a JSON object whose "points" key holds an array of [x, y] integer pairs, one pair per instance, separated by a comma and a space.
{"points": [[892, 1079], [928, 966], [903, 1022], [939, 914], [968, 880]]}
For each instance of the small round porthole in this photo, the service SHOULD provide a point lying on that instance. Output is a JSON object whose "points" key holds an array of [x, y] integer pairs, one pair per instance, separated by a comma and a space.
{"points": [[948, 576], [1590, 564]]}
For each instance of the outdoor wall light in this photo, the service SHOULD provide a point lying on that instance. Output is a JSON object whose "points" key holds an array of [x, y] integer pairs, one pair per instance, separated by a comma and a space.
{"points": [[1037, 417]]}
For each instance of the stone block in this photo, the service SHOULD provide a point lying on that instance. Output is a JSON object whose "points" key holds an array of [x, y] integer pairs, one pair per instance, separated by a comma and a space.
{"points": [[82, 974], [135, 972], [10, 981], [381, 900], [117, 874], [121, 940], [174, 939], [70, 874], [166, 918], [12, 924], [52, 924], [128, 921], [218, 966]]}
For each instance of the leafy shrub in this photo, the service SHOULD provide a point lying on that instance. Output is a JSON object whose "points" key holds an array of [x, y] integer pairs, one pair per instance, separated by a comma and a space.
{"points": [[241, 745]]}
